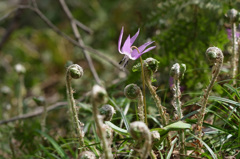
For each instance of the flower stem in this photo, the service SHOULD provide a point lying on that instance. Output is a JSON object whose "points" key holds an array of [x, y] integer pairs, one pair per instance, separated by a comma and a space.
{"points": [[144, 92], [143, 81], [77, 123]]}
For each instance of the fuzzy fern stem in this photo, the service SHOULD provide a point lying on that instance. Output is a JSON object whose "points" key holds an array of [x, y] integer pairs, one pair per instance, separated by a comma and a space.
{"points": [[132, 91], [215, 56], [233, 15], [177, 72], [141, 133], [74, 71], [150, 66], [99, 96]]}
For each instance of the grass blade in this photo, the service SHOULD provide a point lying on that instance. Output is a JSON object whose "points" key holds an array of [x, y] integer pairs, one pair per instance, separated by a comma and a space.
{"points": [[208, 148], [58, 149], [122, 114], [116, 128], [171, 149]]}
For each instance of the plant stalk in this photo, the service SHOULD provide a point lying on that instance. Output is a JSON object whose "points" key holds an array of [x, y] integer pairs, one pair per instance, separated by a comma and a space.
{"points": [[234, 53], [143, 81], [161, 109], [177, 97], [44, 116], [101, 132], [218, 61], [76, 123]]}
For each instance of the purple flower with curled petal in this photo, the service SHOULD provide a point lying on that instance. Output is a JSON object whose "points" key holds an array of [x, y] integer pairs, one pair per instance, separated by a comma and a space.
{"points": [[130, 51]]}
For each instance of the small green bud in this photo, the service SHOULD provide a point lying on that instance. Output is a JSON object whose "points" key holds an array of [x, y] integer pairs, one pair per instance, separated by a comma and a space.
{"points": [[177, 71], [99, 95], [87, 155], [131, 91], [182, 69], [151, 64], [76, 71], [20, 69], [214, 54], [139, 130], [211, 55], [40, 101], [107, 112]]}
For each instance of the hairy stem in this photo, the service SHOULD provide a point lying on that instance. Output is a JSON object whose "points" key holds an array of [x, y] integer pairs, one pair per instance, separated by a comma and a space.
{"points": [[161, 109], [101, 132], [217, 60], [177, 72], [141, 133], [180, 116], [141, 106], [234, 53], [77, 123]]}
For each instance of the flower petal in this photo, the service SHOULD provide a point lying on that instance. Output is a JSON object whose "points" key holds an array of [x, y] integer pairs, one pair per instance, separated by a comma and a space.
{"points": [[148, 49], [120, 40], [134, 37], [135, 55], [126, 49]]}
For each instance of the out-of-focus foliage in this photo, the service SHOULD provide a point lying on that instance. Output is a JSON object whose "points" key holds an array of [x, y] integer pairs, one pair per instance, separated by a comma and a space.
{"points": [[182, 31]]}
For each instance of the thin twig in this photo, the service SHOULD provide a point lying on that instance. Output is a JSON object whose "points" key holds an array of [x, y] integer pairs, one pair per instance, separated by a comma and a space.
{"points": [[37, 112], [8, 14], [59, 32], [83, 27], [80, 41]]}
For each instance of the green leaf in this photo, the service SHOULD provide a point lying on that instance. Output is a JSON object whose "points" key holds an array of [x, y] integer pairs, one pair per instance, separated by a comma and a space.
{"points": [[116, 128], [172, 127]]}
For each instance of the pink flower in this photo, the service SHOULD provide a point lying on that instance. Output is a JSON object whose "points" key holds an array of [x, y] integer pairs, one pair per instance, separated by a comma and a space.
{"points": [[126, 49]]}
